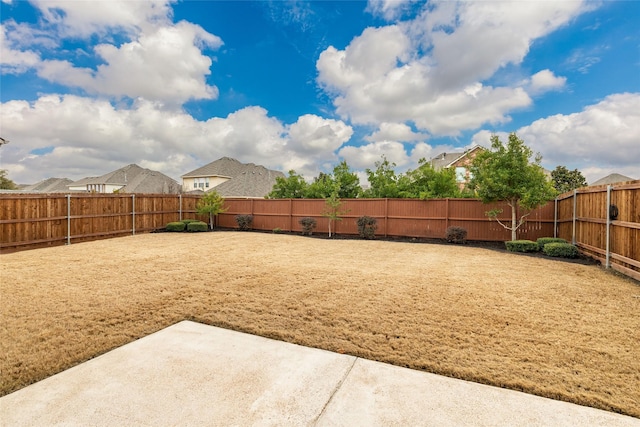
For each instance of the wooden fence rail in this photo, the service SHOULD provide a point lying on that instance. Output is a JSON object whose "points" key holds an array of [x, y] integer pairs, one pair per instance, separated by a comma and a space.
{"points": [[582, 217], [586, 218]]}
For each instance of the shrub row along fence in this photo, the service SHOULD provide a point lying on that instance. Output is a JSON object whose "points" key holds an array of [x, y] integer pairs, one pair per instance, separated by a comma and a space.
{"points": [[583, 217], [604, 222]]}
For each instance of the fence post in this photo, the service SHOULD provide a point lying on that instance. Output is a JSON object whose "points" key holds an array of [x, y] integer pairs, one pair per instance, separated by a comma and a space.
{"points": [[386, 217], [555, 218], [68, 219], [607, 263], [133, 214], [290, 215], [446, 221], [180, 207], [573, 233]]}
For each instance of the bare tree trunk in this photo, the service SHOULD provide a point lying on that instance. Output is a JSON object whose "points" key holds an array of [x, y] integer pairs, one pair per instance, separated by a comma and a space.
{"points": [[514, 220]]}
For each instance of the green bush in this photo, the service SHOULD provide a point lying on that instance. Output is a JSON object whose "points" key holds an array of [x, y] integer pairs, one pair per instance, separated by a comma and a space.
{"points": [[197, 226], [244, 222], [367, 227], [187, 221], [456, 235], [175, 226], [544, 240], [558, 249], [522, 246], [308, 225], [277, 230]]}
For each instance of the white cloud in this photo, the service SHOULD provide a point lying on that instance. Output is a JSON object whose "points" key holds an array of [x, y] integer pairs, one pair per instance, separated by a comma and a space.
{"points": [[601, 139], [82, 18], [431, 71], [396, 132], [365, 156], [544, 81], [72, 136], [388, 9], [14, 61], [162, 61]]}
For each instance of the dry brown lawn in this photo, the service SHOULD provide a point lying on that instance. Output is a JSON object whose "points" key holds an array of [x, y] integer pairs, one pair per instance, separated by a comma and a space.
{"points": [[552, 328]]}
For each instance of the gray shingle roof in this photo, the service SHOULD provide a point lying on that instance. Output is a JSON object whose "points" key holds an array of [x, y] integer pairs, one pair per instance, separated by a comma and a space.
{"points": [[245, 179], [49, 185], [135, 180], [443, 160], [612, 179]]}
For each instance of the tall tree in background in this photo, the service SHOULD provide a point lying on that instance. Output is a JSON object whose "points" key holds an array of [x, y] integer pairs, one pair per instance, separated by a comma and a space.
{"points": [[6, 183], [292, 187], [427, 183], [565, 180], [506, 173], [383, 181]]}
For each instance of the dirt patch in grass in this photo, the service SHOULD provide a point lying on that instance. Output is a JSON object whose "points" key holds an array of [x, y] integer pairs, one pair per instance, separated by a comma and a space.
{"points": [[568, 331]]}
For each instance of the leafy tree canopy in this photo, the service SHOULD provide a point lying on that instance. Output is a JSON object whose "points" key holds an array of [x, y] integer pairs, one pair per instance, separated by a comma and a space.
{"points": [[427, 183], [5, 182], [565, 180], [292, 187], [383, 181], [506, 173]]}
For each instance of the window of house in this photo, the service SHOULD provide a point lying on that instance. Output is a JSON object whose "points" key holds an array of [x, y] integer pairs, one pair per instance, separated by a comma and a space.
{"points": [[461, 174], [206, 182]]}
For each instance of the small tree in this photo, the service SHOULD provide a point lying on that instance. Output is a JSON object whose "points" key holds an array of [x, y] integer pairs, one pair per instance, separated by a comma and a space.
{"points": [[211, 203], [332, 209], [292, 187], [505, 173]]}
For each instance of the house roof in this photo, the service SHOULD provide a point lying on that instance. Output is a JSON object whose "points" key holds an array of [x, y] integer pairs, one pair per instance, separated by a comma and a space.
{"points": [[245, 179], [444, 160], [225, 167], [49, 185], [612, 179], [134, 179]]}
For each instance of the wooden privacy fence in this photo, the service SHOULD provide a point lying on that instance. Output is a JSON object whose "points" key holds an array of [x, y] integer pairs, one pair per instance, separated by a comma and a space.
{"points": [[604, 222], [33, 220], [395, 217]]}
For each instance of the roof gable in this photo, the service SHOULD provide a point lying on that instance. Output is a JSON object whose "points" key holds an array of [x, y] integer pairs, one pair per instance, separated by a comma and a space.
{"points": [[612, 179]]}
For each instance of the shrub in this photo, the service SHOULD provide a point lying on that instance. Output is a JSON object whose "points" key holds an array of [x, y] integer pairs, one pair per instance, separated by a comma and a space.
{"points": [[308, 225], [277, 230], [367, 227], [244, 222], [559, 249], [175, 226], [197, 226], [187, 221], [456, 235], [544, 240], [522, 246]]}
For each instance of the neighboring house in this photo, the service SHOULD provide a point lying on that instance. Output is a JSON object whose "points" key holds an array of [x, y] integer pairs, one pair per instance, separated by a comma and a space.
{"points": [[230, 178], [460, 162], [613, 178], [49, 185], [129, 179]]}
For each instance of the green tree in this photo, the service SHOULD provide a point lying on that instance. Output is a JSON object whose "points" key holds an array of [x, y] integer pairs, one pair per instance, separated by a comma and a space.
{"points": [[332, 209], [427, 183], [6, 183], [348, 182], [342, 180], [565, 180], [292, 187], [383, 181], [212, 204], [505, 173], [321, 187]]}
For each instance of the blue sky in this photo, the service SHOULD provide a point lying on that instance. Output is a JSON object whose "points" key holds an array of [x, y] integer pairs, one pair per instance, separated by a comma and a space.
{"points": [[88, 87]]}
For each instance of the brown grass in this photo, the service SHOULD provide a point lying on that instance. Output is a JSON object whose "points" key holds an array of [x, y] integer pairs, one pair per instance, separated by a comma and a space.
{"points": [[556, 329]]}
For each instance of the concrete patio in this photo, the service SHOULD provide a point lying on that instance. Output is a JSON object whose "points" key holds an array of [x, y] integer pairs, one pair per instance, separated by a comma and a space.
{"points": [[192, 374]]}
